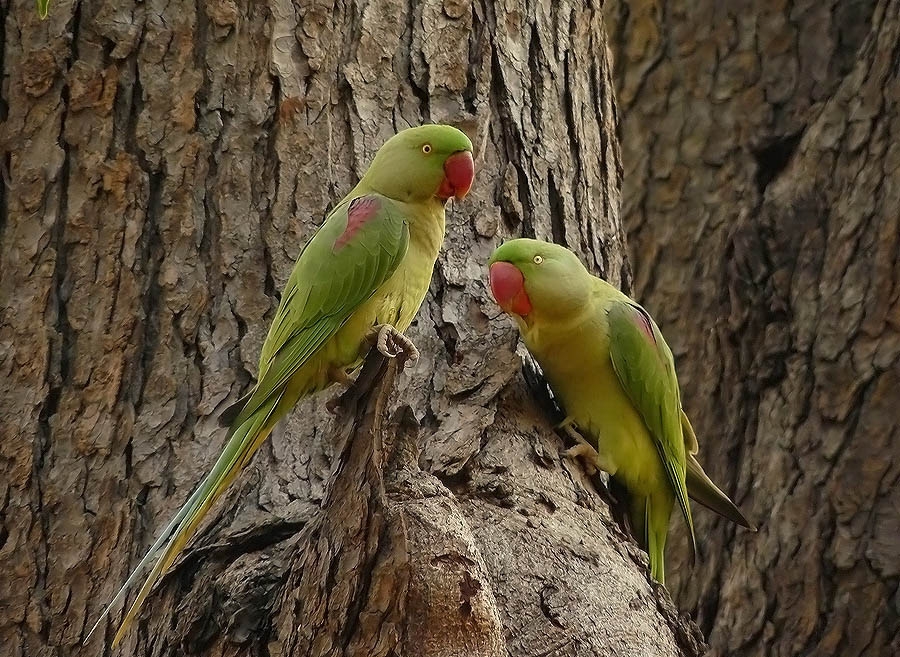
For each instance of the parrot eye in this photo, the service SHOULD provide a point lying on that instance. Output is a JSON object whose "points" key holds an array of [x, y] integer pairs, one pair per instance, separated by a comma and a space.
{"points": [[538, 259], [426, 148]]}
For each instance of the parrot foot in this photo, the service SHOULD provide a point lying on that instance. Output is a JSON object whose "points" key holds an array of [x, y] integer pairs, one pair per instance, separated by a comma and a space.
{"points": [[337, 375], [584, 453], [393, 344], [581, 450]]}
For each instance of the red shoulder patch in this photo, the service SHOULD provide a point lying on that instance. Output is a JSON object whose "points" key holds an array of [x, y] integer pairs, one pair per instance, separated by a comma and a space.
{"points": [[643, 321], [361, 209]]}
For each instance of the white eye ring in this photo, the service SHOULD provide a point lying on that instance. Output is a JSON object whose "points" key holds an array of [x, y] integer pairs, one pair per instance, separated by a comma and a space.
{"points": [[426, 148], [538, 259]]}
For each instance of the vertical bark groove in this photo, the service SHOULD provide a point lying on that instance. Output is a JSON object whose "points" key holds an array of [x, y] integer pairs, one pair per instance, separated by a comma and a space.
{"points": [[757, 143], [166, 162]]}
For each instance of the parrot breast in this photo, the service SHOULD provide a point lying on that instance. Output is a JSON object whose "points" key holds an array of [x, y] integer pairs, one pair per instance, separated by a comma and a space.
{"points": [[508, 287]]}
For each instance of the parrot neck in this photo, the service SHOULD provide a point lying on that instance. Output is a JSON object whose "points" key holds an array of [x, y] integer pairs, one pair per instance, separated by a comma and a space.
{"points": [[543, 333], [426, 224], [540, 331]]}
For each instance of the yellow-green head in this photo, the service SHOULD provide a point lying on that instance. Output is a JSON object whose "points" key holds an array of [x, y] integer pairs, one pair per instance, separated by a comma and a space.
{"points": [[417, 164], [534, 279]]}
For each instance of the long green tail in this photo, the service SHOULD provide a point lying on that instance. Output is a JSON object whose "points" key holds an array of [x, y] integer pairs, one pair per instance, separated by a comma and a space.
{"points": [[649, 517], [702, 489], [243, 443]]}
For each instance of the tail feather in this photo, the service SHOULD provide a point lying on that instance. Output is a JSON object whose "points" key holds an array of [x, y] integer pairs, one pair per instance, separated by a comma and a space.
{"points": [[702, 489], [163, 537], [657, 530], [637, 514], [242, 444], [681, 496], [233, 410], [649, 515]]}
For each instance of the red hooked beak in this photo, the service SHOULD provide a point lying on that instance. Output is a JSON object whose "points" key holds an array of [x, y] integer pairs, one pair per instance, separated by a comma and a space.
{"points": [[508, 287], [459, 173]]}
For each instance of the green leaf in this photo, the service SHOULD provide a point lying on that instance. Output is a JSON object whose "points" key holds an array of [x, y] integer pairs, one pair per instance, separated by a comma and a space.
{"points": [[43, 8]]}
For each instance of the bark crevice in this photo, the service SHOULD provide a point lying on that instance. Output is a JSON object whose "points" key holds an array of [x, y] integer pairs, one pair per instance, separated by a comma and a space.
{"points": [[203, 146], [767, 142]]}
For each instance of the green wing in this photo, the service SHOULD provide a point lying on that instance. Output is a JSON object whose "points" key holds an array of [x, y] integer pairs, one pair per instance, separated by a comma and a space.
{"points": [[357, 249], [645, 368]]}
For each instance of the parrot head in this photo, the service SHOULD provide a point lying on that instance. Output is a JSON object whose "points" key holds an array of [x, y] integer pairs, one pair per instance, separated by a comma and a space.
{"points": [[416, 164], [532, 279]]}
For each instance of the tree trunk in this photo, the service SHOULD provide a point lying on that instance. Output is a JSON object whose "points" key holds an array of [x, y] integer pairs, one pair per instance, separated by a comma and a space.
{"points": [[164, 164], [760, 199]]}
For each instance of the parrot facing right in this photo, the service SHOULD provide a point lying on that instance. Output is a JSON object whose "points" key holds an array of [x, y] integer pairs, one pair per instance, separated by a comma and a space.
{"points": [[358, 282], [608, 364]]}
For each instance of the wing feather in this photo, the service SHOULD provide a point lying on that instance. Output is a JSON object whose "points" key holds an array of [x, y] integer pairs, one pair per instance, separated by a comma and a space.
{"points": [[334, 275], [645, 368]]}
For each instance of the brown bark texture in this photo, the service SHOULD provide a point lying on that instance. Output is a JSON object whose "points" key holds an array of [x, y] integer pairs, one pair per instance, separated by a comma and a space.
{"points": [[760, 150], [164, 162]]}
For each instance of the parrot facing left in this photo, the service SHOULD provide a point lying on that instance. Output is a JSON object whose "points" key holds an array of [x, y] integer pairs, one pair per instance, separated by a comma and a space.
{"points": [[607, 363], [358, 282]]}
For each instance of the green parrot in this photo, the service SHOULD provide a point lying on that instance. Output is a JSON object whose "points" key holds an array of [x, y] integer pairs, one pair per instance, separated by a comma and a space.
{"points": [[609, 366], [358, 281]]}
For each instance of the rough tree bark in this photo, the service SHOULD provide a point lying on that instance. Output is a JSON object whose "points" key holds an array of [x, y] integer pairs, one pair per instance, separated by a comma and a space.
{"points": [[760, 198], [165, 161]]}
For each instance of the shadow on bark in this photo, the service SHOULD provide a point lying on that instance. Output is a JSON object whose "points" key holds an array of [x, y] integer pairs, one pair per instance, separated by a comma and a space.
{"points": [[385, 565], [390, 562], [388, 566]]}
